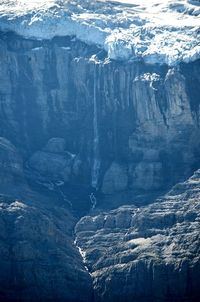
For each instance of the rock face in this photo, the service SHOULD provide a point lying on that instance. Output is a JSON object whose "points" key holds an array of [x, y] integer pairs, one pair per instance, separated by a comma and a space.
{"points": [[12, 178], [144, 254], [11, 165], [53, 162], [141, 118], [75, 122], [38, 259], [115, 179]]}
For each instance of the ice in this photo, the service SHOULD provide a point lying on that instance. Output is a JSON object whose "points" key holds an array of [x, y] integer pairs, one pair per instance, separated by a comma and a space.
{"points": [[156, 31]]}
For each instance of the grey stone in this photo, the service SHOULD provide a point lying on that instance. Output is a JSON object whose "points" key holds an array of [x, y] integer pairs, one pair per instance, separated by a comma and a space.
{"points": [[37, 256], [121, 126], [144, 254], [55, 145], [11, 165], [53, 162], [115, 179], [146, 116]]}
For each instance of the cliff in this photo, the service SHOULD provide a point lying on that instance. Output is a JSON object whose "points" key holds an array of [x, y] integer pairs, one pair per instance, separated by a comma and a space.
{"points": [[99, 118], [146, 254], [126, 126]]}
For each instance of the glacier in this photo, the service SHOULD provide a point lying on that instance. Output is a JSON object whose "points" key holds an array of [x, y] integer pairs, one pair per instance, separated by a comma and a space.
{"points": [[156, 31]]}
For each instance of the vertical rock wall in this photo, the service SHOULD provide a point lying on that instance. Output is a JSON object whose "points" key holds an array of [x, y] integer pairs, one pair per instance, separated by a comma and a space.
{"points": [[128, 119]]}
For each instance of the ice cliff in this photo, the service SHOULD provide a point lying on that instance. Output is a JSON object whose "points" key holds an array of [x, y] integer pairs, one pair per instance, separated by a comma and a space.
{"points": [[164, 32]]}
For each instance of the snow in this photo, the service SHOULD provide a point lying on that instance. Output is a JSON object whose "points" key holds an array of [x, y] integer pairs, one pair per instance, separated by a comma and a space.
{"points": [[157, 31]]}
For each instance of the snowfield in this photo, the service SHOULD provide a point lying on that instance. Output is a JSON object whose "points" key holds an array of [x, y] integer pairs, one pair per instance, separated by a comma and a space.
{"points": [[157, 31]]}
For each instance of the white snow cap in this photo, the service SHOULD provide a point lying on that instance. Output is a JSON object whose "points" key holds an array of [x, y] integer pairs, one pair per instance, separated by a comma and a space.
{"points": [[158, 31]]}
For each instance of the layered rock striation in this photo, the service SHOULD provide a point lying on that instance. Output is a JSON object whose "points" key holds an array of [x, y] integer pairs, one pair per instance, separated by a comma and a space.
{"points": [[150, 253]]}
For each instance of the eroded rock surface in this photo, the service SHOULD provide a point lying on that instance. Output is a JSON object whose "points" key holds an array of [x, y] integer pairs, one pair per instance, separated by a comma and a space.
{"points": [[144, 254], [38, 259], [76, 124], [139, 117], [11, 164], [53, 161], [115, 179], [12, 178]]}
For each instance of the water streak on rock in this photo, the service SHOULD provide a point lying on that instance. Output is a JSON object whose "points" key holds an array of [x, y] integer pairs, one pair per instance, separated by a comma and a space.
{"points": [[96, 157]]}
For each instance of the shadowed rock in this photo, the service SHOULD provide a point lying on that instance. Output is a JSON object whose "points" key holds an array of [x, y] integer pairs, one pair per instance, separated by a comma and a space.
{"points": [[38, 259]]}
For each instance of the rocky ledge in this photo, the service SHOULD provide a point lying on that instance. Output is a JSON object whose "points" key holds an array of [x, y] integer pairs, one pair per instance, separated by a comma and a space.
{"points": [[145, 254]]}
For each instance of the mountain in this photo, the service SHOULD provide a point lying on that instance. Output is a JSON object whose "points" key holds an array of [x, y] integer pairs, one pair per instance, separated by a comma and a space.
{"points": [[99, 139]]}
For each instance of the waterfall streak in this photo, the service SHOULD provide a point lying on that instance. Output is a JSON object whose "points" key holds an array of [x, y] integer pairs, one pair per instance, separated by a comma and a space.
{"points": [[96, 157]]}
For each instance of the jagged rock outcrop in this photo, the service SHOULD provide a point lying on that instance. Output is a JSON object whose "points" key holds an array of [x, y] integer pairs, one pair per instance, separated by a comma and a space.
{"points": [[141, 118], [38, 259], [144, 254]]}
